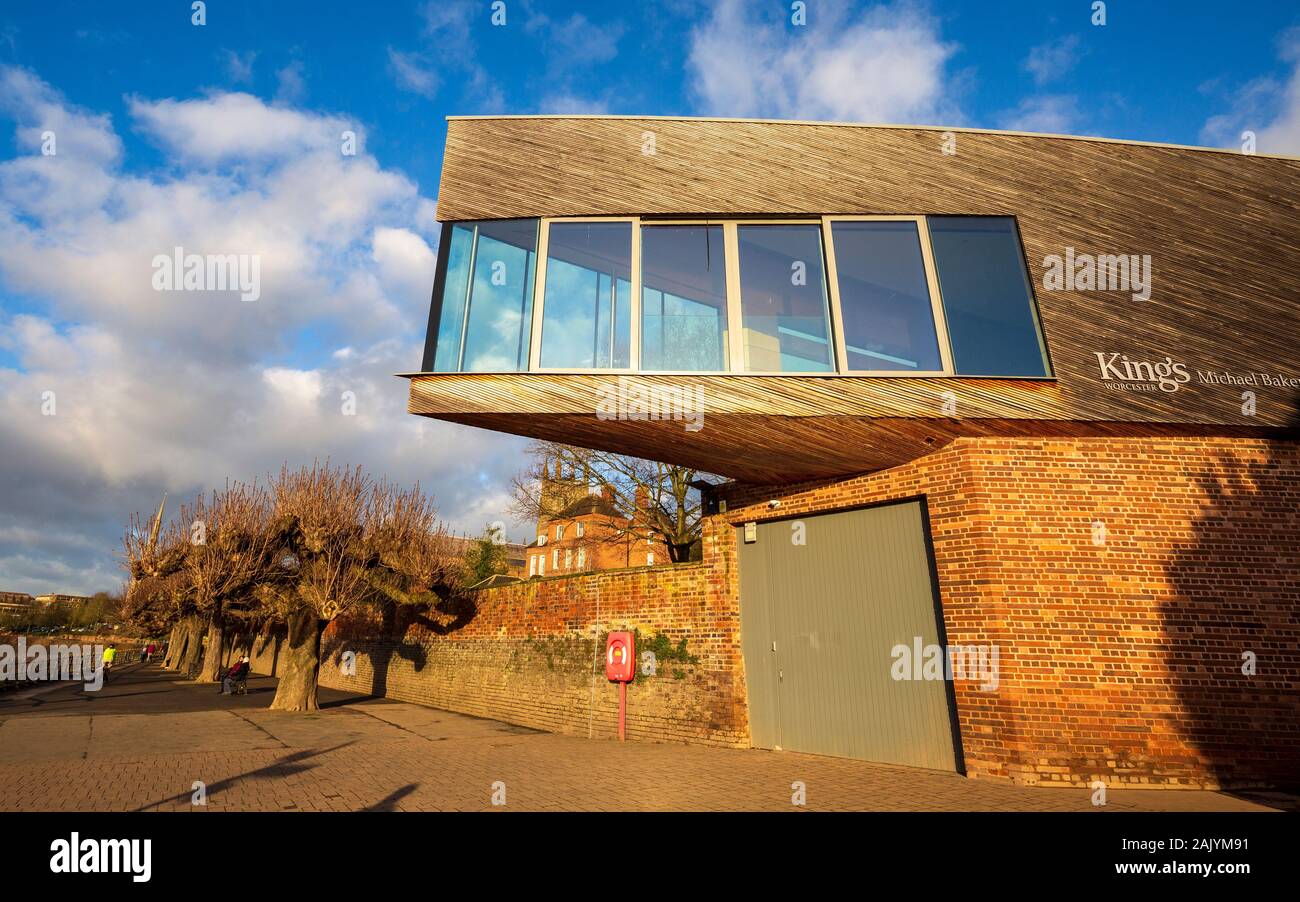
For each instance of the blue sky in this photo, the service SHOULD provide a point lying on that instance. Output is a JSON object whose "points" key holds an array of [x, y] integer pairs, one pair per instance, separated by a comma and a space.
{"points": [[223, 138]]}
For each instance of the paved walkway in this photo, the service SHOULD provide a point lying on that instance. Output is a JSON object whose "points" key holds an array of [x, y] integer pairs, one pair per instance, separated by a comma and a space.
{"points": [[145, 738]]}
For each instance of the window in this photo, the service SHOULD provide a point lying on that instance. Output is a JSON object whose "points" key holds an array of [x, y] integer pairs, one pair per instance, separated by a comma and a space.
{"points": [[568, 559], [784, 311], [587, 302], [879, 295], [649, 558], [559, 531], [987, 300], [541, 565], [487, 297], [555, 559], [683, 298], [885, 304], [541, 540], [532, 565], [582, 558], [579, 530]]}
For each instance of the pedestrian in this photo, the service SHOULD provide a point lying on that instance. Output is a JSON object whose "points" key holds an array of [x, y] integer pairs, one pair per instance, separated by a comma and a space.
{"points": [[148, 652], [109, 654]]}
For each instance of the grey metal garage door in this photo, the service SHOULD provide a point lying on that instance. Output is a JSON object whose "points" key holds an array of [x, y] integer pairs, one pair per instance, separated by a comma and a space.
{"points": [[819, 621]]}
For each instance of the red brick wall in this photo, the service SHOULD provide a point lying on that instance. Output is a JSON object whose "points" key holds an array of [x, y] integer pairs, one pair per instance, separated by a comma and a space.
{"points": [[527, 656], [1120, 660]]}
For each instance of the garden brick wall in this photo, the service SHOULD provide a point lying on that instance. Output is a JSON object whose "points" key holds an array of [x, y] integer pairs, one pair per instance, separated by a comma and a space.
{"points": [[1120, 652], [528, 656]]}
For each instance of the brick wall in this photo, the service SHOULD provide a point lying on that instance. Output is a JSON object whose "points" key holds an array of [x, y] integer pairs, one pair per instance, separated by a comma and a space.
{"points": [[527, 655], [1123, 659], [1119, 660]]}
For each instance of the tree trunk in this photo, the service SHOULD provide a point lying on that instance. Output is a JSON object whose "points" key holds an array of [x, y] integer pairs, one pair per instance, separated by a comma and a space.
{"points": [[211, 672], [173, 646], [189, 662], [297, 690]]}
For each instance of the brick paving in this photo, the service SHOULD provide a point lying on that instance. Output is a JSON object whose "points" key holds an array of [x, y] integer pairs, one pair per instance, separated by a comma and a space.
{"points": [[145, 738]]}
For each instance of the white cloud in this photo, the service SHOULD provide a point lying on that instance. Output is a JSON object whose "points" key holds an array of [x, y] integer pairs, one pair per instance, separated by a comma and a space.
{"points": [[1053, 114], [1269, 107], [176, 391], [888, 64], [1050, 61], [412, 73], [291, 83], [239, 66], [228, 127]]}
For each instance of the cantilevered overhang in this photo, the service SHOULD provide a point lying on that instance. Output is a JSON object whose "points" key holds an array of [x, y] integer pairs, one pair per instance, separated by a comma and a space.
{"points": [[1210, 349], [765, 429]]}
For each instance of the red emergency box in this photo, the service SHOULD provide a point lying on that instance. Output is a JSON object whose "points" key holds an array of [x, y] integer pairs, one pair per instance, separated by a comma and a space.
{"points": [[620, 657]]}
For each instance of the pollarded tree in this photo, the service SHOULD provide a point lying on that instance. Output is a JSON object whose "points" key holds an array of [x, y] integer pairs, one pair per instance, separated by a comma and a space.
{"points": [[231, 550], [346, 541], [321, 513], [157, 592]]}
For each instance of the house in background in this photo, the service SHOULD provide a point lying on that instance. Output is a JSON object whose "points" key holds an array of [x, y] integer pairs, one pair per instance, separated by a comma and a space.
{"points": [[1011, 423], [16, 602], [581, 528]]}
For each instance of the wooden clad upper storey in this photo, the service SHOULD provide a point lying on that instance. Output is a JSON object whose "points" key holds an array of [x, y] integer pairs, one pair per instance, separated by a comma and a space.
{"points": [[1154, 289]]}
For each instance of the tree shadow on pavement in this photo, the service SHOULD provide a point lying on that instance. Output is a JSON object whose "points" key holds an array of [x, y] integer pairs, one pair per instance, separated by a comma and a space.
{"points": [[285, 766]]}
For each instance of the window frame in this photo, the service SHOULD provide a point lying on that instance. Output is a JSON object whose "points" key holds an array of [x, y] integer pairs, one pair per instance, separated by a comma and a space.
{"points": [[734, 296], [735, 321], [931, 283], [539, 296], [728, 255]]}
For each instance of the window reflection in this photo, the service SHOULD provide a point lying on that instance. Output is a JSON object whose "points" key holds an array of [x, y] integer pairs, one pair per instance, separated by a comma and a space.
{"points": [[486, 319], [683, 298], [884, 298], [786, 325], [587, 306], [987, 300]]}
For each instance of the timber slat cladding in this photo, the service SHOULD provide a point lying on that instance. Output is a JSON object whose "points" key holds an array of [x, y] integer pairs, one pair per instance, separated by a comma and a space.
{"points": [[1222, 230]]}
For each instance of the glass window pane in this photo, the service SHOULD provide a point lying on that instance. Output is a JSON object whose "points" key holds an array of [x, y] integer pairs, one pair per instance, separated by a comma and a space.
{"points": [[683, 298], [501, 298], [447, 356], [987, 300], [587, 306], [884, 298], [783, 299]]}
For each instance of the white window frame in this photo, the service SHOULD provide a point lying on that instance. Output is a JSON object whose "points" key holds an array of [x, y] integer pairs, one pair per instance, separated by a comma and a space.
{"points": [[539, 295], [735, 319], [931, 282], [733, 298]]}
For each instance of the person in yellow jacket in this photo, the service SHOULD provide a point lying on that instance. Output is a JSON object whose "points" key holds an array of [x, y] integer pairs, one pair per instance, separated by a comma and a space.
{"points": [[109, 654]]}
